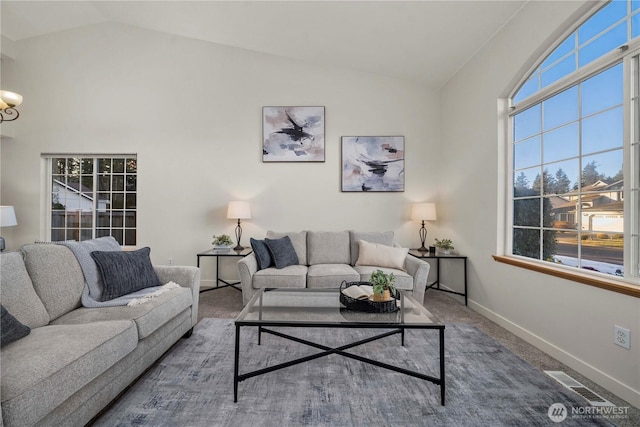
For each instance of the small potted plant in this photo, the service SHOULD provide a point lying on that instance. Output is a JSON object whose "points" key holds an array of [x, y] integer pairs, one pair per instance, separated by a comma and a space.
{"points": [[444, 246], [383, 285], [222, 241]]}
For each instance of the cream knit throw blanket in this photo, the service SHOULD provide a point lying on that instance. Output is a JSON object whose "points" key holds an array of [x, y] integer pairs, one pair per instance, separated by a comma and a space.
{"points": [[162, 290]]}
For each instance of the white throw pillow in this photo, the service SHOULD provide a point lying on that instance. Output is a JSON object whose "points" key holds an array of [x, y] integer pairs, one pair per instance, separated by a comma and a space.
{"points": [[377, 255]]}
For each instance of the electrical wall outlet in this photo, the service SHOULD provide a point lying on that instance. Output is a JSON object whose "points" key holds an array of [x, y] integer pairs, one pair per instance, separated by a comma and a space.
{"points": [[170, 261], [622, 337]]}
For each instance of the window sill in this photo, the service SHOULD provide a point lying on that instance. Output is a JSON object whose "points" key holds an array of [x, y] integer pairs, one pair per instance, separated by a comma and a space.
{"points": [[610, 285]]}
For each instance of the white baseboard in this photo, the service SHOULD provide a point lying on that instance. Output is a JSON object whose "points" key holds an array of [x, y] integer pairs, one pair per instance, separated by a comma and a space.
{"points": [[614, 386]]}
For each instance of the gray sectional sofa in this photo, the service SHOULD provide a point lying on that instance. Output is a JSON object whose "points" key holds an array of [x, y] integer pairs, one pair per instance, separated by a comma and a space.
{"points": [[76, 360], [325, 259]]}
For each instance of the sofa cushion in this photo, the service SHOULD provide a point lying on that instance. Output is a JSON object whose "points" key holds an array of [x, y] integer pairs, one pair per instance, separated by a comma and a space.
{"points": [[45, 368], [293, 276], [11, 330], [378, 255], [328, 247], [330, 275], [383, 238], [282, 252], [123, 273], [298, 240], [262, 254], [148, 317], [17, 293], [56, 276], [403, 279]]}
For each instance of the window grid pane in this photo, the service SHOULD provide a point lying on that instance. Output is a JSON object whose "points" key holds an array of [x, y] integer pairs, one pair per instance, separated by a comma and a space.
{"points": [[602, 20], [605, 31], [635, 25], [603, 45], [558, 71], [569, 210], [562, 50], [89, 196]]}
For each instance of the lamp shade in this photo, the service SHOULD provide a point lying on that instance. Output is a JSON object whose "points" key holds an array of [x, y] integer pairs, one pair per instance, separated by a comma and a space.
{"points": [[423, 212], [239, 210], [7, 216], [9, 99]]}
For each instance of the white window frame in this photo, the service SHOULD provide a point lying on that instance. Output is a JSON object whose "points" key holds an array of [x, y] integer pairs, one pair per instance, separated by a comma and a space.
{"points": [[633, 191], [47, 190], [629, 55]]}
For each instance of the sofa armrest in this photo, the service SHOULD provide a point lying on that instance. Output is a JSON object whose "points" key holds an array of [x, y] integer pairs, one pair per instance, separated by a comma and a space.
{"points": [[419, 270], [247, 267], [185, 276]]}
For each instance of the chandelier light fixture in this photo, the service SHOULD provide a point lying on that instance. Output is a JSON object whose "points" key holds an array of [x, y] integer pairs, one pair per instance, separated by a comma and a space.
{"points": [[8, 103]]}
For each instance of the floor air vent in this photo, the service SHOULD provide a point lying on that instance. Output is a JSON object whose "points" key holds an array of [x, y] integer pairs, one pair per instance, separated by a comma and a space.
{"points": [[571, 384]]}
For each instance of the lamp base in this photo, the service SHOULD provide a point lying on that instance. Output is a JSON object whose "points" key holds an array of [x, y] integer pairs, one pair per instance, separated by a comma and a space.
{"points": [[239, 247], [423, 237]]}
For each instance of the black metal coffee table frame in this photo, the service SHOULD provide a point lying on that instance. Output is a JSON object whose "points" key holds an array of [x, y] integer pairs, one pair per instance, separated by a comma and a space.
{"points": [[395, 328]]}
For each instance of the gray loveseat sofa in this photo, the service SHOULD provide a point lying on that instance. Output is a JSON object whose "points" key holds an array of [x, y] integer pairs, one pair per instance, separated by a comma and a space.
{"points": [[76, 360], [325, 259]]}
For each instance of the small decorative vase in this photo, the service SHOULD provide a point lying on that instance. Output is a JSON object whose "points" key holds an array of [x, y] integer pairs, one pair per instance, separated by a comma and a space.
{"points": [[386, 296]]}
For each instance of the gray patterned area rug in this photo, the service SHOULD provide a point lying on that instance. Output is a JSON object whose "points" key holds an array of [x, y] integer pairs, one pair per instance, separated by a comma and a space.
{"points": [[487, 385]]}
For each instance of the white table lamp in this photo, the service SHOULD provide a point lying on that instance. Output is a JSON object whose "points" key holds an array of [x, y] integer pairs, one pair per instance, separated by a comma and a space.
{"points": [[423, 212], [7, 219], [239, 210]]}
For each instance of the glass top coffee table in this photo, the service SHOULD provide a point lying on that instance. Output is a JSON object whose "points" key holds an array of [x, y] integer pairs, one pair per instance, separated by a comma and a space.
{"points": [[321, 308]]}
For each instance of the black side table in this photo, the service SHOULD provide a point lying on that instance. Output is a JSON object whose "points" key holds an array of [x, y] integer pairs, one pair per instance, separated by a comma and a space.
{"points": [[222, 253], [436, 285]]}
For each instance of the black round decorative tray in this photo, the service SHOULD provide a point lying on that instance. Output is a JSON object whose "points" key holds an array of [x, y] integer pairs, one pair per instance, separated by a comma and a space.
{"points": [[366, 305]]}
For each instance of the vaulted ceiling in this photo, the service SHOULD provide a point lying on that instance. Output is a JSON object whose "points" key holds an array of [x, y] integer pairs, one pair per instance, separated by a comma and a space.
{"points": [[420, 41]]}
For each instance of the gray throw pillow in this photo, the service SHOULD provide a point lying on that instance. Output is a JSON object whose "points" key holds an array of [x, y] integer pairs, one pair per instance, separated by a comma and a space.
{"points": [[261, 251], [12, 330], [125, 272], [282, 252], [82, 251]]}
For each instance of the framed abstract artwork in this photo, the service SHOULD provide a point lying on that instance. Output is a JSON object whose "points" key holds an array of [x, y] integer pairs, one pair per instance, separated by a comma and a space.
{"points": [[372, 163], [293, 134]]}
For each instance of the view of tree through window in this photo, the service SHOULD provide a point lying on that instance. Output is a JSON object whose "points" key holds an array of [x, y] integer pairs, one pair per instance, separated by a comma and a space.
{"points": [[569, 153], [93, 197]]}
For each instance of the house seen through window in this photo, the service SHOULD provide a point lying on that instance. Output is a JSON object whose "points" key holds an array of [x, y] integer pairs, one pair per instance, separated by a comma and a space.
{"points": [[93, 196], [575, 165]]}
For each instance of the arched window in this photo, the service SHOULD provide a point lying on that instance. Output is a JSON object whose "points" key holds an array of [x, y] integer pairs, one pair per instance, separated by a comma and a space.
{"points": [[611, 27], [575, 151]]}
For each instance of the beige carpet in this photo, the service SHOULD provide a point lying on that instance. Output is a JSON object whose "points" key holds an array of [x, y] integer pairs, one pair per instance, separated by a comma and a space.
{"points": [[227, 303]]}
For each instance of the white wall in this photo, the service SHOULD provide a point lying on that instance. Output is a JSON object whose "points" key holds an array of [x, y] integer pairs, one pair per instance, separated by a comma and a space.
{"points": [[571, 321], [192, 111]]}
